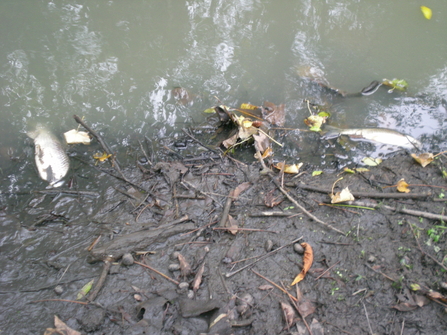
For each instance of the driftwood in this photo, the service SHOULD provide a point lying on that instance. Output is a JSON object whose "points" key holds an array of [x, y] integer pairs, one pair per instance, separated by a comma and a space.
{"points": [[137, 241]]}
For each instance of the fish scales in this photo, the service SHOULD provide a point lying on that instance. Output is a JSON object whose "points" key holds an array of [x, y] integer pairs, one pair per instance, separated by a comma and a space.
{"points": [[379, 135], [51, 160]]}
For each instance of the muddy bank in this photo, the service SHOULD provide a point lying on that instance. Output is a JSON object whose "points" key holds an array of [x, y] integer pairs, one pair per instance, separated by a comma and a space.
{"points": [[183, 248]]}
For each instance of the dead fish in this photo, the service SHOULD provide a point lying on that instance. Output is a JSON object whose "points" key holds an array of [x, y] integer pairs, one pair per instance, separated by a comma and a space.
{"points": [[379, 135], [51, 160]]}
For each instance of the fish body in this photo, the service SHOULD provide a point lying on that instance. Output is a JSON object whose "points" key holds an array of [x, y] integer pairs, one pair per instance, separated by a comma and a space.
{"points": [[379, 135], [51, 160]]}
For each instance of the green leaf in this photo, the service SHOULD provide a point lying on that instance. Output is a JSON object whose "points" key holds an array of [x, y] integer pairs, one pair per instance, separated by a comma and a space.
{"points": [[210, 111], [396, 84], [85, 290], [316, 173], [324, 114]]}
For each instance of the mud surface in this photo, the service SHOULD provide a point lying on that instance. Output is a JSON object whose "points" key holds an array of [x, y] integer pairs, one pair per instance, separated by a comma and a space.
{"points": [[360, 281]]}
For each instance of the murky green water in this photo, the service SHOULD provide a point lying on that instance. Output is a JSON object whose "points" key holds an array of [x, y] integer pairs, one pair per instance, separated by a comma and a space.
{"points": [[116, 63]]}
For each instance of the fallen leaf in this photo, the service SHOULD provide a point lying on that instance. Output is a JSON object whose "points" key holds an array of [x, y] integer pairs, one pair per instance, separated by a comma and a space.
{"points": [[85, 290], [293, 168], [102, 157], [360, 169], [306, 308], [402, 186], [316, 328], [198, 278], [426, 12], [371, 161], [271, 201], [185, 268], [266, 287], [74, 137], [61, 328], [348, 170], [240, 189], [289, 314], [395, 84], [262, 142], [316, 173], [424, 159], [229, 142], [274, 114], [308, 259], [248, 106], [315, 122], [232, 225], [344, 195]]}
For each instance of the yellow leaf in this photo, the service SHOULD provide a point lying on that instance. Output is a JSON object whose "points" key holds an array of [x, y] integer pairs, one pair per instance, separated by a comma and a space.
{"points": [[423, 159], [293, 168], [307, 263], [361, 169], [316, 173], [102, 157], [315, 122], [348, 170], [267, 153], [371, 161], [248, 106], [402, 186], [427, 12], [344, 195]]}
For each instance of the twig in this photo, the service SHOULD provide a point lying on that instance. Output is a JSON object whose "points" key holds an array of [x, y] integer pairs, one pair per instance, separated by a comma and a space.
{"points": [[104, 145], [305, 211], [327, 270], [158, 272], [229, 274], [404, 210], [144, 153], [377, 271], [226, 210], [198, 142], [63, 300], [102, 278], [369, 194], [367, 318], [58, 191], [246, 229], [274, 284]]}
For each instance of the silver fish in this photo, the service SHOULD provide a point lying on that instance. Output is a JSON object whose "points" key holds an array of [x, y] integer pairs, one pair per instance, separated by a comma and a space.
{"points": [[51, 160], [379, 135]]}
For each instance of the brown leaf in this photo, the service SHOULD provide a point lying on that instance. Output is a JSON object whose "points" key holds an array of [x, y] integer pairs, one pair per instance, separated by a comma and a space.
{"points": [[271, 201], [424, 159], [306, 308], [274, 114], [265, 287], [232, 225], [405, 307], [289, 168], [198, 278], [289, 314], [240, 189], [262, 142], [307, 263], [344, 195], [61, 328], [185, 268]]}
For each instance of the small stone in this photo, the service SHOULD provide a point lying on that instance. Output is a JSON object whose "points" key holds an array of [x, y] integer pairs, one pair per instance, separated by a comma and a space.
{"points": [[183, 285], [268, 245], [190, 294], [298, 248], [371, 259], [174, 255], [174, 267], [59, 289], [127, 259]]}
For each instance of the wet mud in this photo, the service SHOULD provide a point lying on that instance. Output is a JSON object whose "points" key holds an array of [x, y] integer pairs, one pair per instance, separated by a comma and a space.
{"points": [[182, 248]]}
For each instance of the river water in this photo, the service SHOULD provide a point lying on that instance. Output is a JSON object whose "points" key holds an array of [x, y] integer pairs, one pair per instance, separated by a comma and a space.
{"points": [[116, 63]]}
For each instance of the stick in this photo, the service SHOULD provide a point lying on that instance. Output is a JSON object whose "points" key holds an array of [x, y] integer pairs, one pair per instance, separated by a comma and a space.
{"points": [[102, 278], [226, 210], [229, 274], [104, 145], [158, 272], [369, 195], [367, 318], [198, 142], [404, 210]]}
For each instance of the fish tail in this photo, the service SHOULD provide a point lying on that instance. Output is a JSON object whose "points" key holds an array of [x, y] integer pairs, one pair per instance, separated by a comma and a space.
{"points": [[330, 132]]}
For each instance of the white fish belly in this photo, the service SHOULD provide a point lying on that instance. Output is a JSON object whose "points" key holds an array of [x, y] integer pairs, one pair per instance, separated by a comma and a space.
{"points": [[51, 160]]}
